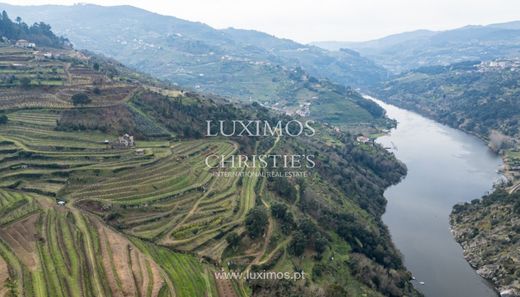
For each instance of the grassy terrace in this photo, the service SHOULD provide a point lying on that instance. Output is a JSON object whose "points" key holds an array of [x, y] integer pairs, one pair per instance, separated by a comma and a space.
{"points": [[47, 78], [134, 223], [60, 251], [167, 195], [39, 159]]}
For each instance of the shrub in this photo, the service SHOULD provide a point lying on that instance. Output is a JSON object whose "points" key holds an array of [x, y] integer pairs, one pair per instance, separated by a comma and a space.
{"points": [[233, 239], [25, 82], [256, 222], [80, 99]]}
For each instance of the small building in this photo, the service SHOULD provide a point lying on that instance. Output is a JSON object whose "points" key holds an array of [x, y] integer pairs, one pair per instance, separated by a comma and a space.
{"points": [[139, 152], [61, 202], [126, 140], [25, 44], [362, 139]]}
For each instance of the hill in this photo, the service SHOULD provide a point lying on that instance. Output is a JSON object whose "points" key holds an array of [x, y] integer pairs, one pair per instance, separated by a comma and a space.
{"points": [[481, 98], [488, 229], [239, 64], [405, 51], [88, 211], [478, 97], [38, 33]]}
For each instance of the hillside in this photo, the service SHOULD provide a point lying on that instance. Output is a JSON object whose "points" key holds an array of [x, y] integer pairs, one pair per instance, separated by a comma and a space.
{"points": [[405, 51], [238, 64], [85, 214], [481, 98], [39, 33], [489, 231]]}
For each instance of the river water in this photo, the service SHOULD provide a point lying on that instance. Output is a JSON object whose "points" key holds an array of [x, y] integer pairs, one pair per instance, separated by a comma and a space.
{"points": [[445, 167]]}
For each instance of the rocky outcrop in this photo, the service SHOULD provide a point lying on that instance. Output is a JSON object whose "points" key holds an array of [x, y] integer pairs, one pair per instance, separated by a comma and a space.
{"points": [[489, 233]]}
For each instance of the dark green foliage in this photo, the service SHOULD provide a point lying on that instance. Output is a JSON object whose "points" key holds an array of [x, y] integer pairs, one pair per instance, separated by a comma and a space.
{"points": [[256, 222], [390, 283], [307, 235], [39, 33], [233, 239], [279, 210], [283, 187], [80, 99], [516, 207], [25, 82], [3, 119], [285, 217], [298, 243]]}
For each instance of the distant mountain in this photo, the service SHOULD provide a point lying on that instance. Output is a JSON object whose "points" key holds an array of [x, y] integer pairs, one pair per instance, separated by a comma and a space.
{"points": [[241, 64], [386, 41], [345, 67], [415, 49]]}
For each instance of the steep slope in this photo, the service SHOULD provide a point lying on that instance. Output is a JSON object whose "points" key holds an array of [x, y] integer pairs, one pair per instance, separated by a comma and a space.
{"points": [[243, 65], [405, 51], [86, 212], [37, 33], [489, 231], [479, 97]]}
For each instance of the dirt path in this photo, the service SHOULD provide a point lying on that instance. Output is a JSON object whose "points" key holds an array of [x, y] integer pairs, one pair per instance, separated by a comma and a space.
{"points": [[265, 244]]}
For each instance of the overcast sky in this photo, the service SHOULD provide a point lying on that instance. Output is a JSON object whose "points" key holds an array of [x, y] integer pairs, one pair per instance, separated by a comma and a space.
{"points": [[318, 20]]}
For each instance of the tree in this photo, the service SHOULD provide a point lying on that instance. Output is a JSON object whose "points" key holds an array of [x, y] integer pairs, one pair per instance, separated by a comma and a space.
{"points": [[25, 82], [3, 119], [516, 207], [233, 240], [298, 243], [96, 66], [320, 244], [279, 210], [80, 99], [256, 222]]}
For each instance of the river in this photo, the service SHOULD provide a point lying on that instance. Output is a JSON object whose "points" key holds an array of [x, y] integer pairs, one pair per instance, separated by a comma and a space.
{"points": [[445, 167]]}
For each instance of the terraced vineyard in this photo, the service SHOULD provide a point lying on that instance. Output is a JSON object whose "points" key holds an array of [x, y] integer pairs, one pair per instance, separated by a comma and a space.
{"points": [[82, 213], [49, 249], [57, 74]]}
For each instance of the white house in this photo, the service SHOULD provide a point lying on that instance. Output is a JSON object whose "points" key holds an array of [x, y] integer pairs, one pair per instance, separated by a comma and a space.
{"points": [[25, 44]]}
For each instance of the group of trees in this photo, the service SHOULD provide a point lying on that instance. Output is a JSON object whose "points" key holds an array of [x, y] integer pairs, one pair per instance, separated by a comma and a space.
{"points": [[80, 99], [256, 222], [3, 119], [285, 217], [39, 33], [307, 235]]}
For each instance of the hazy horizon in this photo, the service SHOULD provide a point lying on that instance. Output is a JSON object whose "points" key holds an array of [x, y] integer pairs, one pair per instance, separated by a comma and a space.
{"points": [[305, 22]]}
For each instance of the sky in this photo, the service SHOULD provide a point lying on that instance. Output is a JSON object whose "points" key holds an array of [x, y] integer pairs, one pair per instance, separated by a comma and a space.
{"points": [[319, 20]]}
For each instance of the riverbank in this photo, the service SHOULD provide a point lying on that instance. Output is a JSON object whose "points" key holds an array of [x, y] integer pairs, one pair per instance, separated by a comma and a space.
{"points": [[487, 235], [489, 232], [445, 166]]}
